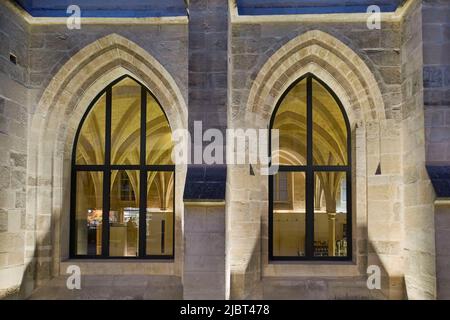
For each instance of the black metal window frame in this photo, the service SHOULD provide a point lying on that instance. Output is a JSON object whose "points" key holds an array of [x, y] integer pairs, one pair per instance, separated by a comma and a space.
{"points": [[309, 169], [106, 169]]}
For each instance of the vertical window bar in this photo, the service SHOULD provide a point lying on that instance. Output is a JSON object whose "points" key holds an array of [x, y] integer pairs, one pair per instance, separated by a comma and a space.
{"points": [[173, 213], [349, 187], [143, 177], [271, 216], [270, 179], [163, 235], [349, 214], [309, 250], [73, 186], [107, 175]]}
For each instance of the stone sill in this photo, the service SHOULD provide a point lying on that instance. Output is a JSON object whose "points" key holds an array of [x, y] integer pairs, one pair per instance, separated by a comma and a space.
{"points": [[311, 269], [203, 203], [120, 266], [442, 202]]}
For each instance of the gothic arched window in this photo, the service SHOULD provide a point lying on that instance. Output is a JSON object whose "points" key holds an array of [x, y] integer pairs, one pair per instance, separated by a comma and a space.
{"points": [[310, 196], [122, 147]]}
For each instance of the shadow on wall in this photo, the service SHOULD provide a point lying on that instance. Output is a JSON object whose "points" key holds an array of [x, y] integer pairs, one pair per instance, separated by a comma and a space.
{"points": [[392, 285], [27, 283], [38, 270], [248, 284]]}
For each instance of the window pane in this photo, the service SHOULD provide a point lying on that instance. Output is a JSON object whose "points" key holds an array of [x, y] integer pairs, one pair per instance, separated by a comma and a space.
{"points": [[91, 140], [290, 120], [159, 136], [330, 214], [89, 210], [329, 129], [160, 213], [289, 214], [125, 122], [124, 213]]}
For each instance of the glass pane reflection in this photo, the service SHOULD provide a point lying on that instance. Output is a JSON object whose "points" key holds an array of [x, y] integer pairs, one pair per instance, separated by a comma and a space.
{"points": [[330, 214], [289, 214], [159, 136], [89, 210], [160, 213], [91, 140], [125, 122], [124, 213], [329, 128], [290, 120]]}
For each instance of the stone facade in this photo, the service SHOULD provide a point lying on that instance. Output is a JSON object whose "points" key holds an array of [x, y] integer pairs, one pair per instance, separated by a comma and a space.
{"points": [[14, 124], [229, 71], [436, 84]]}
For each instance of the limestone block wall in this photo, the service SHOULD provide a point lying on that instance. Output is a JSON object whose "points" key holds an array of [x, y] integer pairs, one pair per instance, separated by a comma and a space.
{"points": [[15, 225], [436, 69], [418, 194], [388, 133], [36, 106], [208, 27], [204, 259], [232, 73], [90, 69], [436, 83], [51, 46]]}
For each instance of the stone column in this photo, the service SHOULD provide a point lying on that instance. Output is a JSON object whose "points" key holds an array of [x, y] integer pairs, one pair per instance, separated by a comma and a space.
{"points": [[331, 233], [204, 257], [204, 233]]}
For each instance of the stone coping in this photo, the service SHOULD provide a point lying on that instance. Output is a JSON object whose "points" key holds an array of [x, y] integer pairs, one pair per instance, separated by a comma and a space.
{"points": [[205, 183], [94, 20], [193, 203], [311, 18], [440, 178], [442, 202]]}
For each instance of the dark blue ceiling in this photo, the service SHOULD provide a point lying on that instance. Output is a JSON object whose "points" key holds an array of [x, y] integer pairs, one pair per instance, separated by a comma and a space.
{"points": [[105, 8], [270, 7]]}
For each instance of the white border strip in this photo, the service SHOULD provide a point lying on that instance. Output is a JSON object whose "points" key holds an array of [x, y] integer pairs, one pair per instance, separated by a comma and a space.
{"points": [[308, 18], [93, 21]]}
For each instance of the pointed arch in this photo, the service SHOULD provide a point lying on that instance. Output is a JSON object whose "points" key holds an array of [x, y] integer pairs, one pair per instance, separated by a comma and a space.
{"points": [[330, 60], [60, 109]]}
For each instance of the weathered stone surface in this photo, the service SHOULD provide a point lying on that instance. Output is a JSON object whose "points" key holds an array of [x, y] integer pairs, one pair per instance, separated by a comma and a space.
{"points": [[3, 221], [204, 260], [432, 77], [406, 61], [136, 287], [18, 160]]}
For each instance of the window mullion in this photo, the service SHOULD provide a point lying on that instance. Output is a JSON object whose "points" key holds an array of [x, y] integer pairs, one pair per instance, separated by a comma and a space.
{"points": [[107, 175], [72, 210], [309, 173], [271, 200], [349, 213], [143, 177]]}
